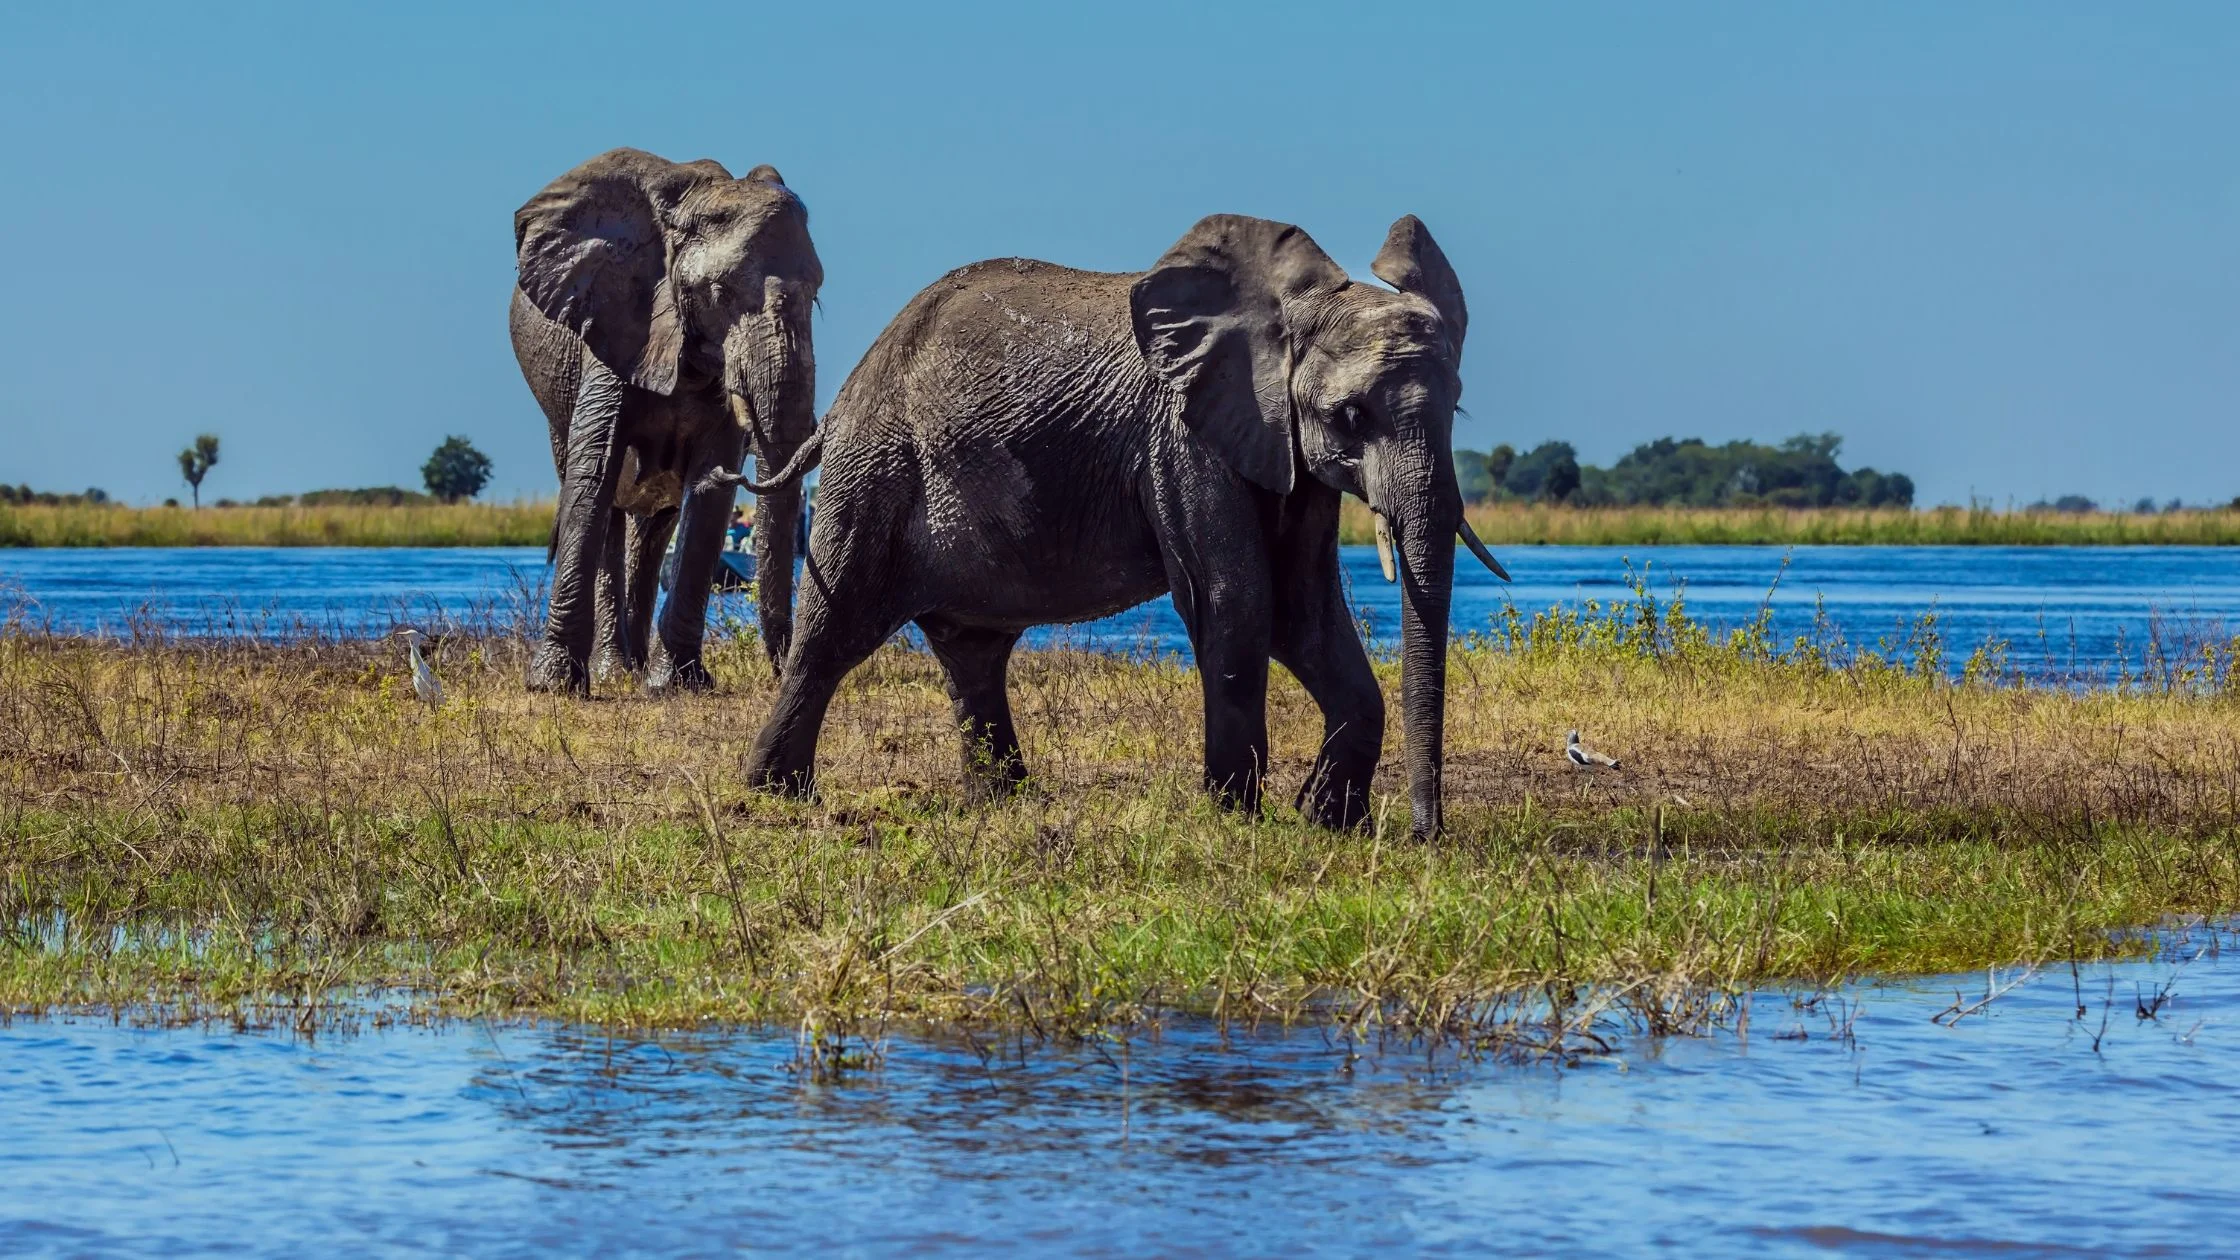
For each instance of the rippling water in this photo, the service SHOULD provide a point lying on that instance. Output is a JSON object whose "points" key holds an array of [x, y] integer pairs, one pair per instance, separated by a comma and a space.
{"points": [[2009, 1134], [2065, 610]]}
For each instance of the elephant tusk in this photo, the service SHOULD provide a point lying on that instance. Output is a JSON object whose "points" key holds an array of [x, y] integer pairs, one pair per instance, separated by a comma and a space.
{"points": [[1478, 549], [743, 414], [1384, 548]]}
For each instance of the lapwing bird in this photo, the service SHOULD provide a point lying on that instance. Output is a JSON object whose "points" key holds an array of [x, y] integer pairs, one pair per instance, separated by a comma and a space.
{"points": [[1584, 757], [424, 684]]}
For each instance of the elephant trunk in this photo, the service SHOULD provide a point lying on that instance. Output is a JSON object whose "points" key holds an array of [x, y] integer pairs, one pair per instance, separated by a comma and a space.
{"points": [[783, 391], [1423, 514], [1427, 577]]}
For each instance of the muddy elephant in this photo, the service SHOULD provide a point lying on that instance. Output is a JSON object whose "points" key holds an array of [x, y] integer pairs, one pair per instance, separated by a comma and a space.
{"points": [[1028, 444], [661, 318]]}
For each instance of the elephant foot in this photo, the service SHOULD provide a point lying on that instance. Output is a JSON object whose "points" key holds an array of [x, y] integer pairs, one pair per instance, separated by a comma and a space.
{"points": [[1335, 811], [1235, 796], [614, 663], [800, 784], [559, 674], [672, 677], [771, 766], [984, 788]]}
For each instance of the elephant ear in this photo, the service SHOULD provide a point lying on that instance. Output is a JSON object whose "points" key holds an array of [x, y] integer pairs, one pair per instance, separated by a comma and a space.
{"points": [[1213, 319], [594, 250], [1413, 263]]}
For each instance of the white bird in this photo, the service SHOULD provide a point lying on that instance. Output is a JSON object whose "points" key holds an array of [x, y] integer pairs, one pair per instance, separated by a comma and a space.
{"points": [[1584, 757], [424, 684]]}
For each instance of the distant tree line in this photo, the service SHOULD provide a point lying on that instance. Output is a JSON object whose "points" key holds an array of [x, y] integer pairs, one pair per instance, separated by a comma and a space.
{"points": [[2078, 504], [366, 496], [25, 495], [1686, 472], [455, 472]]}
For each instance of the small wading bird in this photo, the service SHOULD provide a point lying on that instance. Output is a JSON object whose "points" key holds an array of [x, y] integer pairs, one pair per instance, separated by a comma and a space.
{"points": [[424, 684], [1584, 757]]}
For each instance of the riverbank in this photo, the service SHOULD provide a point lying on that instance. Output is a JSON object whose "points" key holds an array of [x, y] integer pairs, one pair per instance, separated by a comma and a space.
{"points": [[529, 523], [200, 828], [1515, 523], [526, 523]]}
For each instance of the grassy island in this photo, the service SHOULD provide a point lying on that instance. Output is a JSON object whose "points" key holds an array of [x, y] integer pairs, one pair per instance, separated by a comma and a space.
{"points": [[527, 524], [1527, 523], [522, 524], [201, 828]]}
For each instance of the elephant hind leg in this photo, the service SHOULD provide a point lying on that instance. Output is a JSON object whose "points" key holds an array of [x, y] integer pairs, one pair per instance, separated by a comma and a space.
{"points": [[975, 662], [641, 579]]}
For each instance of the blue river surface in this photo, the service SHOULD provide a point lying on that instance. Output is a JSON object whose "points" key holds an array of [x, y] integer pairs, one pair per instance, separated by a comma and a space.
{"points": [[2024, 1130], [2069, 611]]}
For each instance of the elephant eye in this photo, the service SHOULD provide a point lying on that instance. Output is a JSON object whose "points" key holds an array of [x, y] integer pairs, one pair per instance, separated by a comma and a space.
{"points": [[1349, 417]]}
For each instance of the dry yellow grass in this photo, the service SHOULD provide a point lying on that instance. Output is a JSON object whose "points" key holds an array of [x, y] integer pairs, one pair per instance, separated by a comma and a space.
{"points": [[521, 524], [527, 523], [211, 823], [1647, 526]]}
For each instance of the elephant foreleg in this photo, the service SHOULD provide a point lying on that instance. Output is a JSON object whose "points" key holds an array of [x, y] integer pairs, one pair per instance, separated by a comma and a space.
{"points": [[1233, 674], [1315, 639], [610, 651], [562, 661], [846, 613], [675, 657], [1227, 614], [777, 520], [975, 662]]}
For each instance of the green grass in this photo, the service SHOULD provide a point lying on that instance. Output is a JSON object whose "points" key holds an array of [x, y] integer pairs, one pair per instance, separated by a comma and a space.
{"points": [[192, 828], [1513, 523], [521, 524]]}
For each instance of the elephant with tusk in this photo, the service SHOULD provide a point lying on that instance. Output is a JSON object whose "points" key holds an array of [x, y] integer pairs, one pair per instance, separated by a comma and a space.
{"points": [[661, 320], [1469, 536], [1028, 444]]}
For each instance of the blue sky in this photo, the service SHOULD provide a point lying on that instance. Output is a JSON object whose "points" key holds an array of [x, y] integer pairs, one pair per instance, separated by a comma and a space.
{"points": [[1997, 246]]}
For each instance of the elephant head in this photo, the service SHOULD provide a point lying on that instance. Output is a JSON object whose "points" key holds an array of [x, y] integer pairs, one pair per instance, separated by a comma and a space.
{"points": [[679, 278], [1283, 363]]}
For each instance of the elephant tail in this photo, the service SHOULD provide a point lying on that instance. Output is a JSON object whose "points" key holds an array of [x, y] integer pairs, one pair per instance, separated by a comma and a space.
{"points": [[808, 457]]}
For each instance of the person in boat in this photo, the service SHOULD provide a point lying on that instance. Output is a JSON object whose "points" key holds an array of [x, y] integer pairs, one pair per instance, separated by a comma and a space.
{"points": [[742, 528]]}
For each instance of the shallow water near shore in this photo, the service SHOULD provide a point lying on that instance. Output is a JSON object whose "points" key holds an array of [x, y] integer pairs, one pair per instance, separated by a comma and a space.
{"points": [[2069, 612], [1855, 1125]]}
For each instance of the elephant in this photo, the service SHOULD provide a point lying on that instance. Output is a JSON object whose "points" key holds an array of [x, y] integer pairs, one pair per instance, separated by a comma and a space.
{"points": [[661, 319], [1027, 444]]}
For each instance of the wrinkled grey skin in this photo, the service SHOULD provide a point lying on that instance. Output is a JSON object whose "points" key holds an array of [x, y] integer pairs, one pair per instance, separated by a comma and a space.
{"points": [[662, 321], [1028, 444]]}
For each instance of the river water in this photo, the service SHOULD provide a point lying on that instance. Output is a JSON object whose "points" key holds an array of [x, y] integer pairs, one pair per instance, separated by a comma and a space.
{"points": [[2023, 1130], [2068, 611]]}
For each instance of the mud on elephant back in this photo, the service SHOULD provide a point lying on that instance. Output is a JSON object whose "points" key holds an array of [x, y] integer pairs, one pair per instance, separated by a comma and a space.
{"points": [[1028, 444], [661, 319]]}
